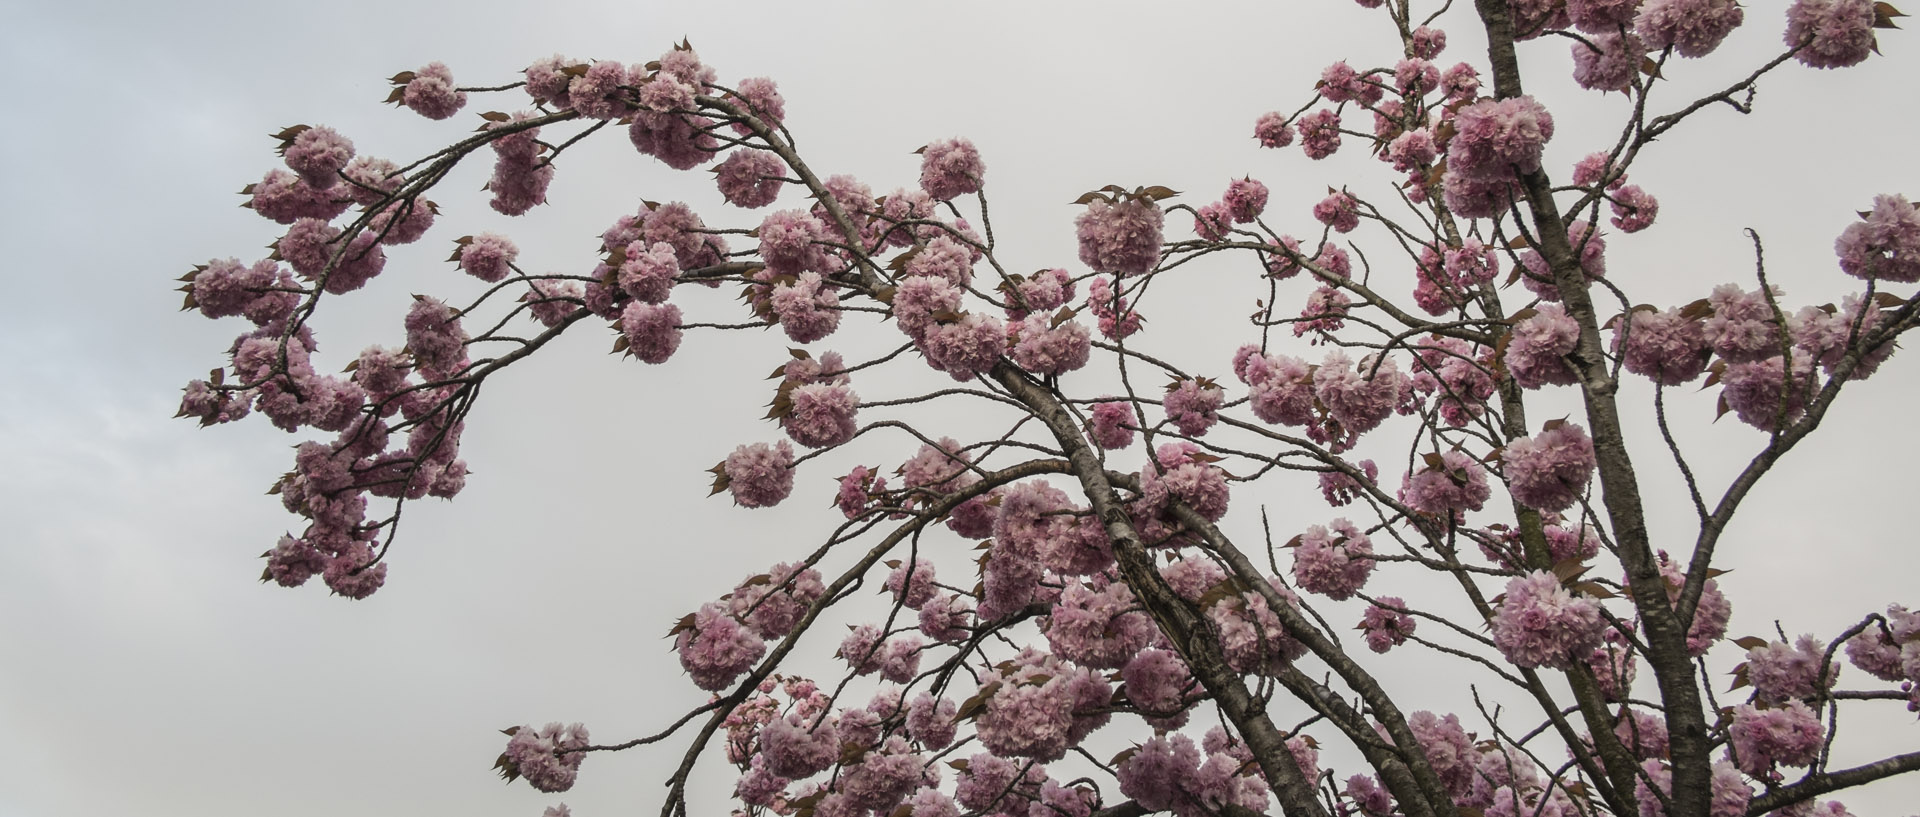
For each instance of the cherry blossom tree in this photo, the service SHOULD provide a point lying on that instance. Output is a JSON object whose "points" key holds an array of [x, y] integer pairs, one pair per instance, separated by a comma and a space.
{"points": [[1094, 574]]}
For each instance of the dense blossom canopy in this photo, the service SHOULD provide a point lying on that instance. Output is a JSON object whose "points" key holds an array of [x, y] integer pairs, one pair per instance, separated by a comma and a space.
{"points": [[1045, 592]]}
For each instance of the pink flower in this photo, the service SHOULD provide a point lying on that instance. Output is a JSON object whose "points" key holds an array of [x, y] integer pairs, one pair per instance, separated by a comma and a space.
{"points": [[1788, 735], [1662, 346], [1428, 42], [1333, 563], [1540, 624], [761, 97], [1320, 133], [1359, 399], [487, 257], [1111, 424], [773, 603], [1836, 33], [1885, 245], [435, 337], [1415, 77], [1779, 672], [285, 198], [1338, 211], [1762, 395], [799, 747], [759, 475], [808, 308], [715, 649], [1245, 198], [547, 81], [1731, 794], [1340, 83], [1451, 487], [912, 583], [1607, 61], [1549, 471], [551, 302], [680, 141], [1117, 320], [1633, 209], [1273, 130], [1461, 82], [1600, 16], [821, 414], [1384, 625], [431, 92], [1692, 28], [1050, 351], [534, 755], [1192, 405], [597, 94], [951, 168], [1536, 354], [652, 330], [751, 178], [1099, 627], [1122, 238], [317, 155]]}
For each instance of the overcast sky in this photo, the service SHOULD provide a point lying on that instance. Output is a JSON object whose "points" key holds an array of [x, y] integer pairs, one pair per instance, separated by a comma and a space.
{"points": [[144, 671]]}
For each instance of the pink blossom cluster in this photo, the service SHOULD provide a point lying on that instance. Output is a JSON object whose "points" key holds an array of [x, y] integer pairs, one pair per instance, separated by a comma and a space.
{"points": [[487, 257], [535, 754], [1281, 386], [652, 331], [1338, 211], [751, 178], [1710, 615], [1333, 561], [520, 177], [1340, 489], [1541, 624], [1099, 624], [1044, 348], [1667, 347], [1730, 792], [1449, 488], [1320, 133], [1536, 353], [1193, 405], [1493, 140], [1168, 774], [1384, 626], [1549, 471], [1588, 245], [1457, 375], [951, 168], [1789, 734], [431, 92], [715, 647], [1885, 245], [1692, 28], [1117, 318], [772, 603], [1324, 313], [1831, 33], [759, 475], [1160, 685], [1201, 485], [1042, 707], [1121, 237], [807, 307], [1607, 61], [1780, 672], [1043, 291]]}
